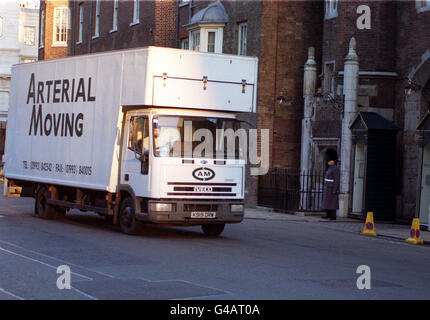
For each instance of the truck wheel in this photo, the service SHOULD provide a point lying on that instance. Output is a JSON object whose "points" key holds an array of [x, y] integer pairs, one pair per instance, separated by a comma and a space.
{"points": [[43, 209], [213, 230], [127, 217]]}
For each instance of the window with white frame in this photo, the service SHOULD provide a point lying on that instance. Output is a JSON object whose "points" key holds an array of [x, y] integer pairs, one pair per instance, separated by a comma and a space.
{"points": [[29, 35], [331, 8], [1, 26], [27, 60], [60, 26], [242, 33], [136, 7], [97, 20], [42, 29], [185, 44], [81, 22], [195, 40], [206, 38], [115, 16], [423, 5], [211, 41]]}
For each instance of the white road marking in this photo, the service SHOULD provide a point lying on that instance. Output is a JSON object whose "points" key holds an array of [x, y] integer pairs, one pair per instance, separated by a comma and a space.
{"points": [[11, 294], [85, 294], [41, 262], [57, 259], [1, 216]]}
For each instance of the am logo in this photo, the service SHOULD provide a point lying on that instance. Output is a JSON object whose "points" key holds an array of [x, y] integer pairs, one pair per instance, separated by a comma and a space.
{"points": [[203, 174]]}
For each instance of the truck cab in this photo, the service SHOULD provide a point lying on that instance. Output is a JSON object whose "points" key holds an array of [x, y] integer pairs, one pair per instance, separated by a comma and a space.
{"points": [[176, 164]]}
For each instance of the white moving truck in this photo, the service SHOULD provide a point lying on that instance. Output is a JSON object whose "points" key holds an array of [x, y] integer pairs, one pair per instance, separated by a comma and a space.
{"points": [[110, 133]]}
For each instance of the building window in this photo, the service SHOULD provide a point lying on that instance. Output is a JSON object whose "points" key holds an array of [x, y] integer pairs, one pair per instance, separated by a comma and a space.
{"points": [[97, 20], [206, 39], [242, 38], [195, 40], [331, 9], [29, 35], [27, 60], [136, 6], [423, 5], [211, 41], [60, 26], [115, 16], [185, 44], [42, 29], [81, 22]]}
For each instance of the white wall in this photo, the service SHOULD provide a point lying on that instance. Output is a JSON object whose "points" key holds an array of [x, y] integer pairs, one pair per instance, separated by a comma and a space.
{"points": [[12, 48]]}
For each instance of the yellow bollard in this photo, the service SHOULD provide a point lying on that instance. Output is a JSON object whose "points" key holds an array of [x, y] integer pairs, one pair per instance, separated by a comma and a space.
{"points": [[415, 233], [1, 174], [369, 226]]}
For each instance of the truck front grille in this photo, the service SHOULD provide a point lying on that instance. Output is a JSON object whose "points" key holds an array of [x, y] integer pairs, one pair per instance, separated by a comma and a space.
{"points": [[202, 189]]}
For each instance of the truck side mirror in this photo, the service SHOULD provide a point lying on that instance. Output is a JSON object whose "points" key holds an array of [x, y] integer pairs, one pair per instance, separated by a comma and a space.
{"points": [[144, 164]]}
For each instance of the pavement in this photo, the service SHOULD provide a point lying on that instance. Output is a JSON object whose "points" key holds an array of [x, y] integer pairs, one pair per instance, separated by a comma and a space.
{"points": [[383, 229]]}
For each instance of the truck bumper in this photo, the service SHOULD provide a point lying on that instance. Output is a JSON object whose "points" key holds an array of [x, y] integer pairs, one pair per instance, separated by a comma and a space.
{"points": [[181, 213]]}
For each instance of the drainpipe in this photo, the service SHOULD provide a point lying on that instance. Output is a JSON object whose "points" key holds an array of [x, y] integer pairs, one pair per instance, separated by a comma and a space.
{"points": [[350, 89]]}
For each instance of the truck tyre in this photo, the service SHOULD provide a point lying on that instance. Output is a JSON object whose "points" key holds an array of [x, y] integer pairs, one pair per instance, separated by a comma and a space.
{"points": [[213, 230], [43, 209], [127, 217]]}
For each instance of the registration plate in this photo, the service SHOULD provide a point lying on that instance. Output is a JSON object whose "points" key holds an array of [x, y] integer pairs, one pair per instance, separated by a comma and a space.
{"points": [[203, 215]]}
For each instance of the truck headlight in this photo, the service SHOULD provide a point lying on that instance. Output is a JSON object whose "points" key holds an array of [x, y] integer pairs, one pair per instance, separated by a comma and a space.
{"points": [[155, 206], [236, 208]]}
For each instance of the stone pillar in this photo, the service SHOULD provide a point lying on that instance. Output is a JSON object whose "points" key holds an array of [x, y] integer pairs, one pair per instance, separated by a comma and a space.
{"points": [[309, 83], [411, 161], [350, 89]]}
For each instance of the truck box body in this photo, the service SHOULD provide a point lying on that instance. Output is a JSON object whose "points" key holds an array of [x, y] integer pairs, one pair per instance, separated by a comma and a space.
{"points": [[66, 117]]}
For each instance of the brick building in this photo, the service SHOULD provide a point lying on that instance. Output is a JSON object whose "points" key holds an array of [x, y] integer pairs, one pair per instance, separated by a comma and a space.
{"points": [[276, 32], [54, 29], [395, 48], [111, 25]]}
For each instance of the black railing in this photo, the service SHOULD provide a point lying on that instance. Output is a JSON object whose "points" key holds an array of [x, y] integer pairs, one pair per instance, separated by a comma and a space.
{"points": [[291, 191]]}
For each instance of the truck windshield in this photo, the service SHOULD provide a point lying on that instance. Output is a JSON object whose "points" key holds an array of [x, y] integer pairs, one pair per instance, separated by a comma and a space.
{"points": [[197, 137]]}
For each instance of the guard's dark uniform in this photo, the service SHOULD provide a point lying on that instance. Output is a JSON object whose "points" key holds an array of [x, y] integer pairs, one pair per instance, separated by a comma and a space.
{"points": [[331, 190]]}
